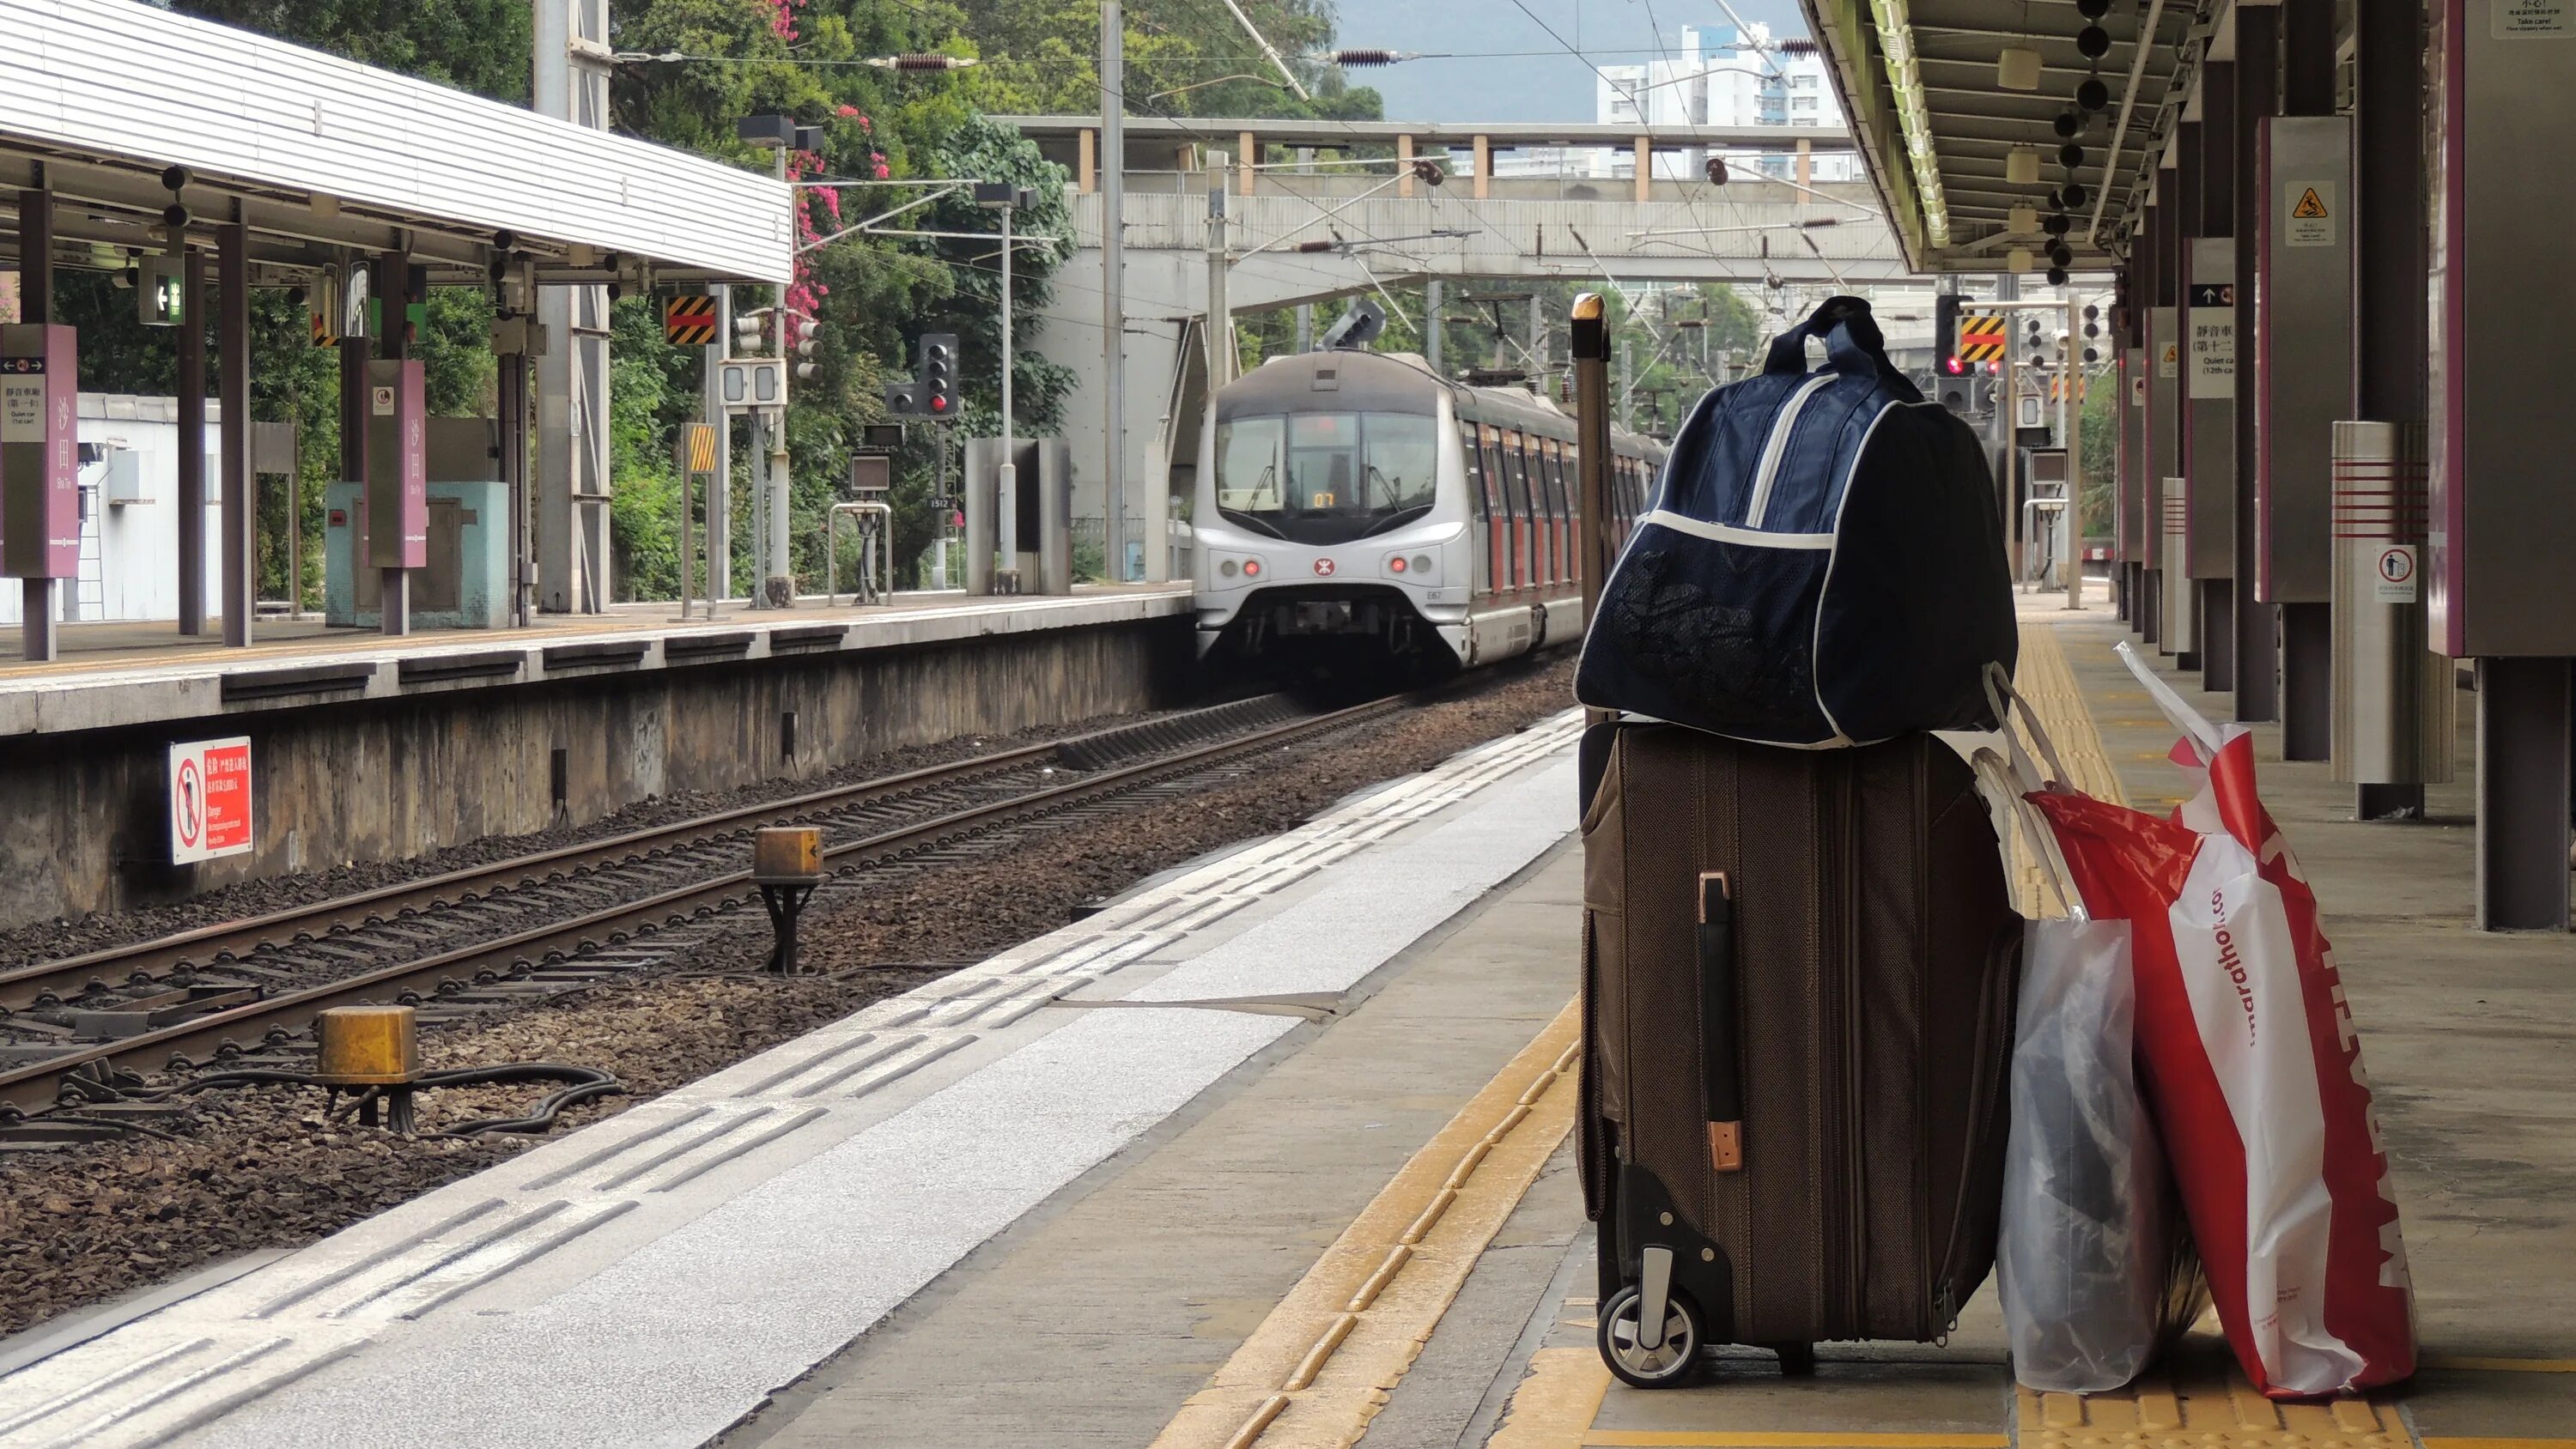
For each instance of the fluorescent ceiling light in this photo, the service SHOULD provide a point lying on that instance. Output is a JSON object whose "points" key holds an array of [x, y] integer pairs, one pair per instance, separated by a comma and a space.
{"points": [[1905, 84]]}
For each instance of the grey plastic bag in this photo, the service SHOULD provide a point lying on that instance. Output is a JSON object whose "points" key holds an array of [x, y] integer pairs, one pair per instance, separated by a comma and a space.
{"points": [[2087, 1252]]}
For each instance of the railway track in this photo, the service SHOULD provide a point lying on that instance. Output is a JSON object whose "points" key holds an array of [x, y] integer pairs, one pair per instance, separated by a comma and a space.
{"points": [[560, 919]]}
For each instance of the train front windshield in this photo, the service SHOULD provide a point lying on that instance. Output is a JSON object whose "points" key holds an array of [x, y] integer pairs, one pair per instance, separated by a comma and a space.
{"points": [[1326, 478]]}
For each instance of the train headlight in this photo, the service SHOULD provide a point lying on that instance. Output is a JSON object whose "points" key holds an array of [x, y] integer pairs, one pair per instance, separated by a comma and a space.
{"points": [[1422, 563], [1396, 563], [1227, 568], [1252, 568], [1415, 567]]}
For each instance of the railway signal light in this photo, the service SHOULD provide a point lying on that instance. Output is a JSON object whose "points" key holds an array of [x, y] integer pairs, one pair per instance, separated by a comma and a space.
{"points": [[1945, 331], [806, 328], [938, 386]]}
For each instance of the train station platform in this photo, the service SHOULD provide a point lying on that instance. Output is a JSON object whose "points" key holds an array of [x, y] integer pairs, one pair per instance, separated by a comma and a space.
{"points": [[513, 731], [1274, 1152], [115, 674]]}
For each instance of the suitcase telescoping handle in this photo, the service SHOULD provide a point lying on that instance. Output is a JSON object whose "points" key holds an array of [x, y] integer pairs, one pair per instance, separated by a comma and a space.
{"points": [[1724, 1084]]}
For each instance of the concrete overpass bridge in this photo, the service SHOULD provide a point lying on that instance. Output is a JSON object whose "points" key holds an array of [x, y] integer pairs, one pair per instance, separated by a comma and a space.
{"points": [[1330, 209]]}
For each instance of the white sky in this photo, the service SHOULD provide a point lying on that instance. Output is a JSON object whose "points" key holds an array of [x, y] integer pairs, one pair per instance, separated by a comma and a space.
{"points": [[1509, 67]]}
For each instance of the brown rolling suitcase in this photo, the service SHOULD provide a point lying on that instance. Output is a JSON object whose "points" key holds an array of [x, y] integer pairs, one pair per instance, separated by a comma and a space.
{"points": [[1799, 969]]}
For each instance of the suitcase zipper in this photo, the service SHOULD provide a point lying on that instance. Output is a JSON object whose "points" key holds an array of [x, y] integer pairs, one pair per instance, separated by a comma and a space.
{"points": [[1776, 445], [1855, 1167], [1994, 1000]]}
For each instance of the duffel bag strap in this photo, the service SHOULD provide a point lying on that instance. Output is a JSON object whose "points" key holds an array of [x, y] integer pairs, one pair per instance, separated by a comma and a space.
{"points": [[1853, 345]]}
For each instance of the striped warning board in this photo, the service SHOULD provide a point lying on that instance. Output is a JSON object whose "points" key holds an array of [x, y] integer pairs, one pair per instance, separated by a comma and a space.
{"points": [[689, 321], [1981, 339], [698, 446], [324, 334]]}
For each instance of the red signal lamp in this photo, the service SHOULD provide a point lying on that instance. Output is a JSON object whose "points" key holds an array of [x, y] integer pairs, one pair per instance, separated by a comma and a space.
{"points": [[939, 404], [1955, 366]]}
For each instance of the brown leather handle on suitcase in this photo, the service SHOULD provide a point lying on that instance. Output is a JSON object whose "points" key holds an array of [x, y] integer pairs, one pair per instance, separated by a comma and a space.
{"points": [[1722, 1081]]}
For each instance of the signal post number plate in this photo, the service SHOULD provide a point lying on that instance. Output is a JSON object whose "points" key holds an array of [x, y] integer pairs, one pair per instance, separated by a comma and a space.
{"points": [[210, 814]]}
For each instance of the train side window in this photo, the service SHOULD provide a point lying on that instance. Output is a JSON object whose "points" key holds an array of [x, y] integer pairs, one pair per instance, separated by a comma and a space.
{"points": [[1551, 460]]}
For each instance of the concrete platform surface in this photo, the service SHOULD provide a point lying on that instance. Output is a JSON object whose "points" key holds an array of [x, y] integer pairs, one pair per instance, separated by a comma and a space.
{"points": [[126, 674], [653, 1278], [1275, 1156]]}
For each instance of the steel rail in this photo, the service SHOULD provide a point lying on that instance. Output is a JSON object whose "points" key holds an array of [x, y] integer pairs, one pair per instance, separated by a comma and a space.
{"points": [[21, 987], [36, 1086]]}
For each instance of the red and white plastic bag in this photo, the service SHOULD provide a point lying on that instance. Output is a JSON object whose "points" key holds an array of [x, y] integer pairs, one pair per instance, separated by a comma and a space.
{"points": [[2251, 1067]]}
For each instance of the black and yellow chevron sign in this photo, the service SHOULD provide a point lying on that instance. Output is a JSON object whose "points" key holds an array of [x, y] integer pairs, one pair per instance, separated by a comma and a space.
{"points": [[1981, 339], [689, 321]]}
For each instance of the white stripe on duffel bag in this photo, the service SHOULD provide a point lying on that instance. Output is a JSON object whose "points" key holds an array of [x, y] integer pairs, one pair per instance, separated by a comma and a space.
{"points": [[1729, 533]]}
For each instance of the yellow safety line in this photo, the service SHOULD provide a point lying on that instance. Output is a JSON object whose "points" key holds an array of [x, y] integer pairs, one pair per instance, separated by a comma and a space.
{"points": [[2462, 1362], [1556, 1402], [2443, 1443], [1322, 1364], [1785, 1439]]}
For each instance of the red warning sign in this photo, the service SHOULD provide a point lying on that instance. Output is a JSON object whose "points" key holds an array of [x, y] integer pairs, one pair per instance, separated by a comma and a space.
{"points": [[209, 799]]}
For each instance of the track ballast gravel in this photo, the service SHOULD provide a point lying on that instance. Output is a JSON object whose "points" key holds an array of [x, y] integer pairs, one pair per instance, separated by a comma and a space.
{"points": [[263, 1168]]}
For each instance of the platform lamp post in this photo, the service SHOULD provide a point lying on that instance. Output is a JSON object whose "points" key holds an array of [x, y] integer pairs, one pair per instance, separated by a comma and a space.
{"points": [[1007, 199], [1591, 354], [779, 134]]}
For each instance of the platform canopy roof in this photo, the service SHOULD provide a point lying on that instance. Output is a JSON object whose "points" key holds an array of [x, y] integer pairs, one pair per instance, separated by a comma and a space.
{"points": [[320, 154], [1921, 85]]}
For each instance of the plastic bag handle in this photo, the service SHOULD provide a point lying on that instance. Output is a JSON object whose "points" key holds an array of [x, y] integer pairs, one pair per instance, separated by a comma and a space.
{"points": [[2004, 779], [2000, 696]]}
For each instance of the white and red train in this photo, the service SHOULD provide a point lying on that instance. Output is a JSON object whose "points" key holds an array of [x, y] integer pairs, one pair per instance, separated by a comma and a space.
{"points": [[1355, 508]]}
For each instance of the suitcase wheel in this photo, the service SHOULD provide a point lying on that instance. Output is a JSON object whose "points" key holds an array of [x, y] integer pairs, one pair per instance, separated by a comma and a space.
{"points": [[1797, 1360], [1673, 1360]]}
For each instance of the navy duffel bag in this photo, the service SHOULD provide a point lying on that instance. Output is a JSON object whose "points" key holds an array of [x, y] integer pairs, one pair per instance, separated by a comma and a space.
{"points": [[1823, 564]]}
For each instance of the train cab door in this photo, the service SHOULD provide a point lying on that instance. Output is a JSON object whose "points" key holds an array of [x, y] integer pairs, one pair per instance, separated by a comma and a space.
{"points": [[1480, 508]]}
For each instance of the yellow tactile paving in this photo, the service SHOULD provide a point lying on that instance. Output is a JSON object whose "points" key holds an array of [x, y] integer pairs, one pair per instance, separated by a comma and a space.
{"points": [[1555, 1402], [1787, 1440], [2045, 680], [2202, 1412], [1322, 1364]]}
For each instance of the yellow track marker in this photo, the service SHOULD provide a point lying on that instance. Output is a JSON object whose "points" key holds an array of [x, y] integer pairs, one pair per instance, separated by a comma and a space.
{"points": [[1322, 1364]]}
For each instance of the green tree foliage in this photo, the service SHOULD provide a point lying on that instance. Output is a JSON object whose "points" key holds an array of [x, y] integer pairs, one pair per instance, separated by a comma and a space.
{"points": [[874, 296], [2100, 421]]}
